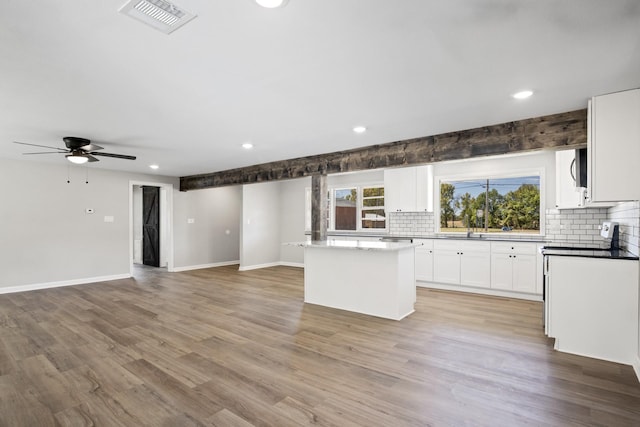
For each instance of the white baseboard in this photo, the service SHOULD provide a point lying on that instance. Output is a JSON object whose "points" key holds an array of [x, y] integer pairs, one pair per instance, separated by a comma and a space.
{"points": [[200, 266], [257, 266], [291, 264], [47, 285], [636, 367], [481, 291], [271, 264]]}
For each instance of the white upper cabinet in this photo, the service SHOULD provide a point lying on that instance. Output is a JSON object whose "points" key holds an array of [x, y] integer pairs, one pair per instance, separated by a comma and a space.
{"points": [[400, 189], [424, 188], [409, 189], [614, 147]]}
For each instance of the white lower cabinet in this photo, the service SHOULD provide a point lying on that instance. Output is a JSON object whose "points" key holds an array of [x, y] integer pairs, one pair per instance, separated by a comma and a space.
{"points": [[514, 266], [446, 266], [495, 268], [424, 260], [462, 262], [592, 306], [475, 267]]}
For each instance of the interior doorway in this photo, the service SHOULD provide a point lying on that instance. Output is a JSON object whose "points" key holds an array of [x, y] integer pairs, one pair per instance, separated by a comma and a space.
{"points": [[151, 226], [150, 231]]}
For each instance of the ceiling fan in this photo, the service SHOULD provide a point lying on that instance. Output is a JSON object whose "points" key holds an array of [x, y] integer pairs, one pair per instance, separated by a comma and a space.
{"points": [[78, 151]]}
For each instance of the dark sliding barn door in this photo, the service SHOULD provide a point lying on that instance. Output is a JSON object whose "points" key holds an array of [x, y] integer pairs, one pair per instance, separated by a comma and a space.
{"points": [[151, 226]]}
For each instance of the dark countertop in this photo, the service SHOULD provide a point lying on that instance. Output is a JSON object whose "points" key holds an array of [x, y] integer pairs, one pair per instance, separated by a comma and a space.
{"points": [[497, 237], [487, 238], [589, 253]]}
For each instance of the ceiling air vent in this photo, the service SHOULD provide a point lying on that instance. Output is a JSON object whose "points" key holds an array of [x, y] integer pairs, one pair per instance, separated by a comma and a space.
{"points": [[159, 14]]}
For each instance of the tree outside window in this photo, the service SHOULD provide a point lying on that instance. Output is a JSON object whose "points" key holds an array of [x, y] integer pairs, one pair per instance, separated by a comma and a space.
{"points": [[491, 205]]}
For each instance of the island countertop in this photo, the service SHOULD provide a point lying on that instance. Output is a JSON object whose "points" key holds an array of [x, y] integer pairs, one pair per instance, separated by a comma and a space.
{"points": [[356, 244]]}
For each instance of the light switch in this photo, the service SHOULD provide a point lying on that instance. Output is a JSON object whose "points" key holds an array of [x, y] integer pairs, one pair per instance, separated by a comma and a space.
{"points": [[89, 210], [108, 219], [190, 220]]}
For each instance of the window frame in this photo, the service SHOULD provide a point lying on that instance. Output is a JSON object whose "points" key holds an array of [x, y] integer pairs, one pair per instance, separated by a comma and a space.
{"points": [[540, 172], [362, 208], [331, 226]]}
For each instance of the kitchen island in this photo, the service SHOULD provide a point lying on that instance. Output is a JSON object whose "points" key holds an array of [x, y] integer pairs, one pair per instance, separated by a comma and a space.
{"points": [[374, 278]]}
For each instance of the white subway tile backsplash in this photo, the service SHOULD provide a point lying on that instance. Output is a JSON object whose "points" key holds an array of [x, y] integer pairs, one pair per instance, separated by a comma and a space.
{"points": [[571, 227], [627, 215], [575, 227], [411, 223]]}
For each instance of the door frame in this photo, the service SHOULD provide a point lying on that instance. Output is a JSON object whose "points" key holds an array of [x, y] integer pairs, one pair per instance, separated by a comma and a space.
{"points": [[168, 215]]}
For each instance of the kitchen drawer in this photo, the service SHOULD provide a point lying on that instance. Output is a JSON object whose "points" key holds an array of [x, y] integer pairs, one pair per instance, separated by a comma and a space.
{"points": [[426, 243], [514, 248], [460, 244]]}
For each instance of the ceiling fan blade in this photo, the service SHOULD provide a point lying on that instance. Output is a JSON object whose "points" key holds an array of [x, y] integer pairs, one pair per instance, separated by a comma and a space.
{"points": [[62, 150], [91, 158], [92, 147], [45, 152], [117, 156]]}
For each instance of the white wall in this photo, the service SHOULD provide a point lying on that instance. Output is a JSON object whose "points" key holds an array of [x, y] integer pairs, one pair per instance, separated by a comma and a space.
{"points": [[260, 230], [45, 234], [355, 178], [292, 211], [214, 235]]}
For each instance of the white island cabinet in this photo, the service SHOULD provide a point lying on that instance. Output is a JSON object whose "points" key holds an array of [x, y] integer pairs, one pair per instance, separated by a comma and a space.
{"points": [[375, 278]]}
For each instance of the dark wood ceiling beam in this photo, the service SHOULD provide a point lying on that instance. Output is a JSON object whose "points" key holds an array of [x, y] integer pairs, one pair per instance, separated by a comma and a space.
{"points": [[553, 132]]}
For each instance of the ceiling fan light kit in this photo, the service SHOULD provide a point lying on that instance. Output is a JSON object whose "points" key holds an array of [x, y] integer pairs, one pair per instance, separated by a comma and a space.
{"points": [[79, 150], [272, 4], [76, 158]]}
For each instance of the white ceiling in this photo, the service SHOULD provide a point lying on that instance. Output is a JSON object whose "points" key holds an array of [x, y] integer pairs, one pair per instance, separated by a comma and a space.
{"points": [[294, 81]]}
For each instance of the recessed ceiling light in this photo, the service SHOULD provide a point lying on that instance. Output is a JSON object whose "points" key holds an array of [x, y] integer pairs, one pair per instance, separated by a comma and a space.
{"points": [[154, 166], [159, 14], [272, 4], [247, 146], [523, 95], [359, 129]]}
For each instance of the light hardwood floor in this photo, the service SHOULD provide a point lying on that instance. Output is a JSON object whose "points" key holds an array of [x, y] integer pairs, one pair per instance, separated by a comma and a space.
{"points": [[219, 347]]}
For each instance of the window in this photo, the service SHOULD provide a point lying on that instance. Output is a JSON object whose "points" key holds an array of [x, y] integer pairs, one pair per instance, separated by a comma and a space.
{"points": [[491, 204], [372, 210], [356, 208], [345, 214]]}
